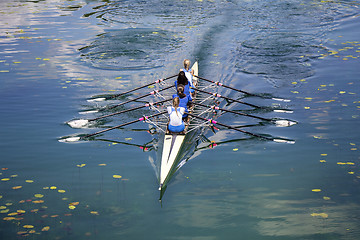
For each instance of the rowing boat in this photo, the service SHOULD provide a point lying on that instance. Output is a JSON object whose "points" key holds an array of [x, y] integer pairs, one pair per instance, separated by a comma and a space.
{"points": [[172, 148]]}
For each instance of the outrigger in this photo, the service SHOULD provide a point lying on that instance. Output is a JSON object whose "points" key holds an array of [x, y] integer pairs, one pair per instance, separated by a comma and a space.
{"points": [[177, 148]]}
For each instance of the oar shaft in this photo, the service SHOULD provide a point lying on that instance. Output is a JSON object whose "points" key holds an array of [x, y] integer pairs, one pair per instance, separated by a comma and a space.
{"points": [[124, 124], [230, 111], [129, 110], [149, 94], [227, 98], [144, 86], [230, 127], [225, 86]]}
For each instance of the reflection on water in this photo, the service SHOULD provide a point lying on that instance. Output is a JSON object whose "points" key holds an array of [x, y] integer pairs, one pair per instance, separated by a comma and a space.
{"points": [[132, 48]]}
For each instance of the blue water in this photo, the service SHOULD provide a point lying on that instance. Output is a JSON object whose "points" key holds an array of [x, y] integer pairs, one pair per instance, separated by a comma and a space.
{"points": [[55, 55]]}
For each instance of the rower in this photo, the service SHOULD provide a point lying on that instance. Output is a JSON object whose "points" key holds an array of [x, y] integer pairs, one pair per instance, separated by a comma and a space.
{"points": [[176, 124], [183, 80], [188, 71], [185, 100]]}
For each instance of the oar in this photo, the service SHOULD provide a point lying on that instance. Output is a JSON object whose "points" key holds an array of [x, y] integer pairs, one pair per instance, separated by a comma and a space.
{"points": [[278, 122], [227, 98], [79, 123], [243, 131], [146, 95], [132, 90], [75, 139], [238, 90]]}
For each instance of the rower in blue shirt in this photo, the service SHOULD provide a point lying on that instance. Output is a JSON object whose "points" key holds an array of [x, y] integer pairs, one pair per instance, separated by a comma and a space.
{"points": [[183, 80], [185, 99]]}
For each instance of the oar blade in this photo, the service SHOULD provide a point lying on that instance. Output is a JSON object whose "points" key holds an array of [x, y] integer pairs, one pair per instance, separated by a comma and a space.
{"points": [[280, 140], [281, 99], [70, 139], [284, 123], [97, 99], [79, 123]]}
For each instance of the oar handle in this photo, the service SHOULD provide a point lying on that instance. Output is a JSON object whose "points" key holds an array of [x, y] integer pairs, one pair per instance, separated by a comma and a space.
{"points": [[227, 98], [144, 86], [124, 124]]}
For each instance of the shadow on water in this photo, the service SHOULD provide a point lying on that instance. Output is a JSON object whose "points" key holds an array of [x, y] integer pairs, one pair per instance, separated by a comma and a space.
{"points": [[129, 49]]}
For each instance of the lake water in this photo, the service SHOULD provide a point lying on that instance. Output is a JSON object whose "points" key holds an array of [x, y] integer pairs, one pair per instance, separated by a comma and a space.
{"points": [[57, 54]]}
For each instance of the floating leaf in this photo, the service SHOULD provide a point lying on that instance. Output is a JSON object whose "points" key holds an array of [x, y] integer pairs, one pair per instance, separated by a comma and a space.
{"points": [[81, 165], [38, 201], [61, 191], [316, 190], [326, 198], [235, 149], [117, 176], [14, 176], [17, 187], [38, 195], [74, 203], [28, 226], [53, 187], [94, 212], [8, 218], [45, 229], [5, 179], [102, 164], [72, 207], [20, 211], [323, 215], [29, 181]]}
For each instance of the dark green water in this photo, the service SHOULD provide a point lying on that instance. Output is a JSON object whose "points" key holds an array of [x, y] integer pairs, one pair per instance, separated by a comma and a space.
{"points": [[55, 55]]}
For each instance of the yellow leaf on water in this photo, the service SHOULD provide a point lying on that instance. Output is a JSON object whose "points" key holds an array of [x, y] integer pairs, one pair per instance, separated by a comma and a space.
{"points": [[2, 207], [21, 211], [117, 176], [326, 198], [61, 191], [14, 176], [118, 78], [5, 179], [8, 218], [342, 92], [38, 195], [29, 181], [323, 154], [316, 190], [72, 207], [323, 215], [13, 214], [235, 149], [45, 229], [94, 212], [307, 107], [28, 226], [81, 165], [74, 203], [128, 139], [38, 201], [17, 187], [102, 164], [53, 187], [152, 86]]}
